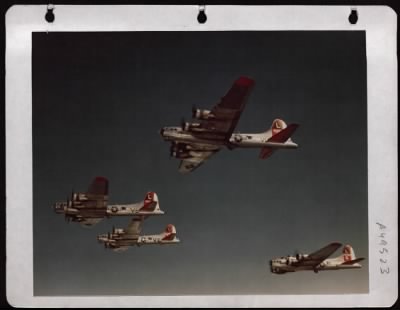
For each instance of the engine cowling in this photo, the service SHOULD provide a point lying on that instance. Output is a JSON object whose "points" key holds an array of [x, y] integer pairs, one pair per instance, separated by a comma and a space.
{"points": [[180, 154], [190, 126], [201, 114]]}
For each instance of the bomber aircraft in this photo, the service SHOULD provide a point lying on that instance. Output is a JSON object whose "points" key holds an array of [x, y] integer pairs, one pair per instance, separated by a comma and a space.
{"points": [[121, 239], [317, 261], [91, 207], [195, 142]]}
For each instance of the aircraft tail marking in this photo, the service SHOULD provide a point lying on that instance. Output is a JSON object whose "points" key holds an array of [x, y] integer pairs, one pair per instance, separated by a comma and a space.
{"points": [[348, 253], [150, 201], [169, 233], [280, 133]]}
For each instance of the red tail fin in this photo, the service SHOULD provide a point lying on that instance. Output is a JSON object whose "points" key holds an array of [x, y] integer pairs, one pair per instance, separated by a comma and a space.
{"points": [[277, 126], [283, 135], [348, 253], [280, 133], [169, 233], [150, 201]]}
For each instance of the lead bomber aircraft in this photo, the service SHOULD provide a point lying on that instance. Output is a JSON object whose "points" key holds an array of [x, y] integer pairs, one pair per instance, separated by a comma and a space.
{"points": [[195, 142], [91, 207], [318, 260]]}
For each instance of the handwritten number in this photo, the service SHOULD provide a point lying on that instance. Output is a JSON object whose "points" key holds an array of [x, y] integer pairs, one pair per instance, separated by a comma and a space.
{"points": [[385, 270], [381, 226]]}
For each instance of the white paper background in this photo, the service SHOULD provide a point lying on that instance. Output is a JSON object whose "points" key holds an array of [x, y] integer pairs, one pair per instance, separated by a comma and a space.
{"points": [[380, 24]]}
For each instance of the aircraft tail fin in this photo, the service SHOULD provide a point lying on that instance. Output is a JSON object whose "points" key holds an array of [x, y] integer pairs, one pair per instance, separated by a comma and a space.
{"points": [[279, 133], [150, 202], [169, 232], [348, 254]]}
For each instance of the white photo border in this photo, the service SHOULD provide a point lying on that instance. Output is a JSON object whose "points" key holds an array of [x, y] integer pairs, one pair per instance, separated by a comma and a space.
{"points": [[380, 24]]}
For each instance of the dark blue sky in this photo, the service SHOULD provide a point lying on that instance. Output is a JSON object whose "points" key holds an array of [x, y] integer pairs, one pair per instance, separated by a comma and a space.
{"points": [[99, 100]]}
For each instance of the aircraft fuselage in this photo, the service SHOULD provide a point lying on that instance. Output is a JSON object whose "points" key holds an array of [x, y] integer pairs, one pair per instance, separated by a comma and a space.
{"points": [[243, 140], [121, 241]]}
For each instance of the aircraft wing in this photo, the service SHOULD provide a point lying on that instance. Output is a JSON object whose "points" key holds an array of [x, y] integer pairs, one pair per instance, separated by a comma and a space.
{"points": [[99, 186], [325, 252], [227, 112], [135, 226], [189, 164]]}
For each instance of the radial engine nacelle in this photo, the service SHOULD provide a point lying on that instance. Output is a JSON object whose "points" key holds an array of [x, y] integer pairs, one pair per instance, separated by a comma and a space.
{"points": [[201, 114], [186, 126]]}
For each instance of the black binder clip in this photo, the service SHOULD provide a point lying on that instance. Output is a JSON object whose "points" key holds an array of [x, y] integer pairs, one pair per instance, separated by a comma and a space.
{"points": [[49, 14], [202, 17], [353, 17]]}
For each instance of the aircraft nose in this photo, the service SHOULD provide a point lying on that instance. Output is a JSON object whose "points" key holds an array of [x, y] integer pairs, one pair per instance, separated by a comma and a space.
{"points": [[270, 266], [162, 131], [57, 208]]}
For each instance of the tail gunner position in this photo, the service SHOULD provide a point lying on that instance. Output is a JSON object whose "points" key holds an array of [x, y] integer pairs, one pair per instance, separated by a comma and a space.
{"points": [[194, 143]]}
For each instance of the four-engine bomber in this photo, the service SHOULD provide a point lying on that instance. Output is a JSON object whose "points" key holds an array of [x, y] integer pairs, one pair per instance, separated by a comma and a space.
{"points": [[194, 142], [91, 207], [317, 261], [121, 239]]}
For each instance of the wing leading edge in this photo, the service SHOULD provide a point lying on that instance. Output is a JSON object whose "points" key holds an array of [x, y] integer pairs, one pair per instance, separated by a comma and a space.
{"points": [[325, 252], [227, 112]]}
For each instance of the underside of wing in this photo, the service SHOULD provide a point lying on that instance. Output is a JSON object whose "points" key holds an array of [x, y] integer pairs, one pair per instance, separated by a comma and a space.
{"points": [[189, 164], [90, 221], [135, 226], [325, 252], [225, 115]]}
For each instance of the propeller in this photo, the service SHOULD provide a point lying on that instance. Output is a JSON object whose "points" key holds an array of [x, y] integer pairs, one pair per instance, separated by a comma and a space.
{"points": [[67, 218], [109, 235], [113, 229], [194, 110], [297, 254], [183, 123]]}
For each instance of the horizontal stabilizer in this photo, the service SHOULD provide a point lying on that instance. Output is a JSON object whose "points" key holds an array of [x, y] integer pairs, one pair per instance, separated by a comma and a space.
{"points": [[280, 137], [284, 134], [266, 152], [351, 262]]}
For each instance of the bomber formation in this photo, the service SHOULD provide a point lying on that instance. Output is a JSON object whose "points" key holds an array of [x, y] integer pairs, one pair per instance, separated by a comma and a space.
{"points": [[194, 143]]}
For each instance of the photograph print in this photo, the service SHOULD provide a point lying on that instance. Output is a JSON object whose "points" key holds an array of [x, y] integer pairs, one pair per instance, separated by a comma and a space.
{"points": [[199, 163]]}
